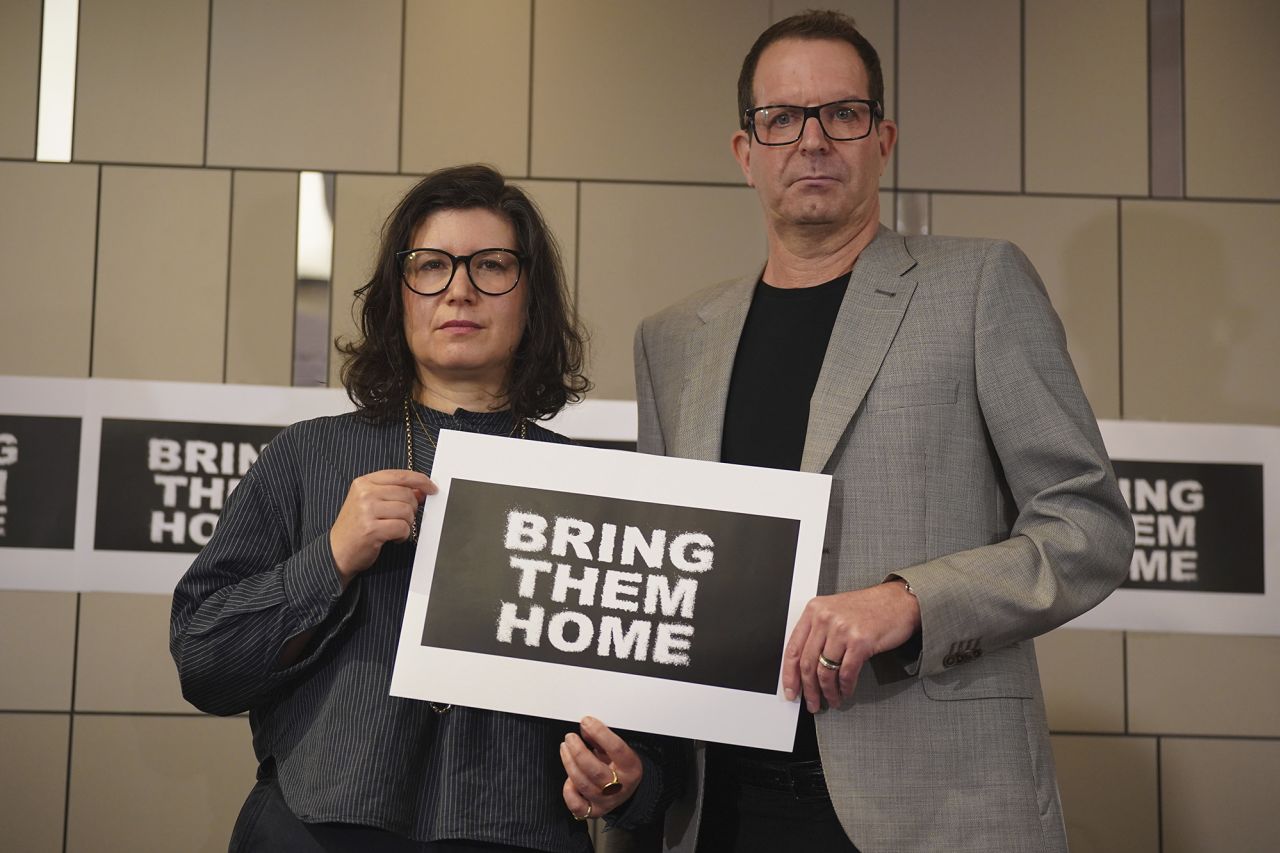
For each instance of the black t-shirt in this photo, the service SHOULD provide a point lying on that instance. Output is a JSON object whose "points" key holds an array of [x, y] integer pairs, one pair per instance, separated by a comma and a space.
{"points": [[766, 417]]}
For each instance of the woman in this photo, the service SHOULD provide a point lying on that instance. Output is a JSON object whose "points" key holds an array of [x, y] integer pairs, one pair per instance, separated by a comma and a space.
{"points": [[292, 611]]}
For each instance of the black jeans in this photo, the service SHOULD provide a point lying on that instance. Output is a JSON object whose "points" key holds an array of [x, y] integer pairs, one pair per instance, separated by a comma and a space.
{"points": [[266, 825], [746, 812]]}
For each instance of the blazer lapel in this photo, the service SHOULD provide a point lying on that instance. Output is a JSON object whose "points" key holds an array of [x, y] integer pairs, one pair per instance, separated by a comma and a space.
{"points": [[712, 349], [869, 318]]}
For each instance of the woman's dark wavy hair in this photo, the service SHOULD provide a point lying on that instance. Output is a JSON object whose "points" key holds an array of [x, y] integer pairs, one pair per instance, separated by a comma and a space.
{"points": [[379, 371]]}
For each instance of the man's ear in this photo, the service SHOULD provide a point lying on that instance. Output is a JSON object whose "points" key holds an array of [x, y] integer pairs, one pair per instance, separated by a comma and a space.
{"points": [[740, 143], [887, 135]]}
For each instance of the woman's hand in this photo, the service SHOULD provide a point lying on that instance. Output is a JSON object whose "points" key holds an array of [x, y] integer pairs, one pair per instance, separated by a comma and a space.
{"points": [[380, 508], [600, 763]]}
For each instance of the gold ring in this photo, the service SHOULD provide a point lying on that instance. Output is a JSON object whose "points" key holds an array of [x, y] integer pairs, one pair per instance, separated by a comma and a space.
{"points": [[613, 786], [585, 815], [826, 662]]}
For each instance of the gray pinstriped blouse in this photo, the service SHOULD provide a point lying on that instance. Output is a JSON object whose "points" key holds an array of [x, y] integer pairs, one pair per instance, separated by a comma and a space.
{"points": [[343, 749]]}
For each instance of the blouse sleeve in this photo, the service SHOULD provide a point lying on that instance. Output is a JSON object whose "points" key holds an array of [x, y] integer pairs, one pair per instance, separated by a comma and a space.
{"points": [[249, 591]]}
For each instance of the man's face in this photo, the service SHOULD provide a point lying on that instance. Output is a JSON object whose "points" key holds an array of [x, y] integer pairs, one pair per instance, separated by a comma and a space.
{"points": [[814, 181]]}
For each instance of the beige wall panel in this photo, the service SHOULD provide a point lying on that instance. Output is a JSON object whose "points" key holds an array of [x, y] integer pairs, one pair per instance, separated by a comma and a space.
{"points": [[1109, 793], [33, 781], [162, 274], [959, 96], [875, 21], [1086, 96], [1197, 684], [140, 81], [37, 648], [1074, 246], [1201, 311], [19, 76], [1220, 795], [124, 662], [466, 84], [558, 201], [361, 205], [48, 219], [643, 248], [260, 307], [639, 90], [887, 218], [1082, 673], [305, 84], [1232, 73], [157, 784]]}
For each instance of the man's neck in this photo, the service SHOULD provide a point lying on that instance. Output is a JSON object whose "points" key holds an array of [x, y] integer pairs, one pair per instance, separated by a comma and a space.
{"points": [[804, 256]]}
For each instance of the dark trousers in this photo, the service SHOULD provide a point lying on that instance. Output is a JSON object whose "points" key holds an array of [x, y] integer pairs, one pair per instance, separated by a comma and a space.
{"points": [[751, 808], [266, 825]]}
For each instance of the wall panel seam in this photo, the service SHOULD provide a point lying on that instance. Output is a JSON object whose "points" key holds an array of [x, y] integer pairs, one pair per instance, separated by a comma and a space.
{"points": [[208, 77], [93, 285], [404, 92], [231, 237], [528, 146], [71, 727]]}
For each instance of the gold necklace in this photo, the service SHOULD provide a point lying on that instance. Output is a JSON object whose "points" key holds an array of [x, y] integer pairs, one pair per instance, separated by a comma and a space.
{"points": [[437, 707]]}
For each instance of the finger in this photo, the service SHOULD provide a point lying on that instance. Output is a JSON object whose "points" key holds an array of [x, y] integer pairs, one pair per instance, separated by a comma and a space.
{"points": [[402, 477], [574, 801], [391, 494], [392, 530], [829, 679], [849, 668], [609, 745], [583, 778], [791, 657], [809, 667]]}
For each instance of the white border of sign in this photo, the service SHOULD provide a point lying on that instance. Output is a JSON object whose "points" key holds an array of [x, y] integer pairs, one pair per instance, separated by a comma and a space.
{"points": [[1188, 610], [567, 692]]}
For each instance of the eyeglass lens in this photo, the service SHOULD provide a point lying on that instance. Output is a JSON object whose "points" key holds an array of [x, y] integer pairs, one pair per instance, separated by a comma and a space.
{"points": [[842, 120], [494, 271]]}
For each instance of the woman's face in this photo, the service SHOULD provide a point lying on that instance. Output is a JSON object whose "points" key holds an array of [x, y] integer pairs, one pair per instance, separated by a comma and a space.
{"points": [[462, 337]]}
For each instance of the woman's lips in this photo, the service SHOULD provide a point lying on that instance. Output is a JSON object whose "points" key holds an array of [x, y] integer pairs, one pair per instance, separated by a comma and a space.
{"points": [[460, 326]]}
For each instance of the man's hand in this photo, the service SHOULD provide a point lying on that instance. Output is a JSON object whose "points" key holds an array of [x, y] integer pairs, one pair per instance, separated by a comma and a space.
{"points": [[847, 628], [594, 762], [379, 508]]}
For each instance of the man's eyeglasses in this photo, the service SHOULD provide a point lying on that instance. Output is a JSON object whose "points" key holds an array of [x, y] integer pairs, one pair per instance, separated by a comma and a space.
{"points": [[841, 121], [428, 272]]}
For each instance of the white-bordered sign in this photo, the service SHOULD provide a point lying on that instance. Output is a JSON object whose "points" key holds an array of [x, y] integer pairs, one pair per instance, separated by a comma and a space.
{"points": [[1204, 499], [656, 594]]}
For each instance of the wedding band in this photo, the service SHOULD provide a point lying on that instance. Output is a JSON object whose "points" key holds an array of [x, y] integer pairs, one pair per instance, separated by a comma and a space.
{"points": [[613, 786], [826, 663], [585, 815]]}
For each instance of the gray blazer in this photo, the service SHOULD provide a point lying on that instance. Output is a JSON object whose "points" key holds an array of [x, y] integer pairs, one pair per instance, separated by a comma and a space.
{"points": [[966, 460]]}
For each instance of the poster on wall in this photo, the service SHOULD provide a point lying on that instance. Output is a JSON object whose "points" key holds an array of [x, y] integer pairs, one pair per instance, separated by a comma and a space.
{"points": [[39, 470], [1204, 499], [561, 581]]}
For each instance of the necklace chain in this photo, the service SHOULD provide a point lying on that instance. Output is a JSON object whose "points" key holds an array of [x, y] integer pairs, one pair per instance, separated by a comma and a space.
{"points": [[522, 425]]}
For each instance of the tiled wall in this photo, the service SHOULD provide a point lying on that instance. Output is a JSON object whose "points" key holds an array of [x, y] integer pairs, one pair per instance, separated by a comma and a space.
{"points": [[166, 250]]}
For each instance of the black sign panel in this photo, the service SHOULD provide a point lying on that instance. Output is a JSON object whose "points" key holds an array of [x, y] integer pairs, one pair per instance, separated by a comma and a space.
{"points": [[1199, 525], [161, 484], [674, 592], [39, 473]]}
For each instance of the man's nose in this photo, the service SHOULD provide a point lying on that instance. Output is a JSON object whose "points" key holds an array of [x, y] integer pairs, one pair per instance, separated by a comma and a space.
{"points": [[812, 136]]}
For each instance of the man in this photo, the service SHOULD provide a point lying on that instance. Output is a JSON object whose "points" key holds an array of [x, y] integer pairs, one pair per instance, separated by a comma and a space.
{"points": [[973, 506]]}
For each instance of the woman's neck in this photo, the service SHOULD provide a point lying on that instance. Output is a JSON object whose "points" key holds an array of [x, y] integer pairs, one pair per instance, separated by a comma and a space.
{"points": [[448, 396]]}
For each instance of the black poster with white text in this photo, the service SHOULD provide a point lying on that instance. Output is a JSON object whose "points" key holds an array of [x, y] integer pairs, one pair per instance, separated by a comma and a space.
{"points": [[162, 484], [1198, 525], [674, 592], [39, 479]]}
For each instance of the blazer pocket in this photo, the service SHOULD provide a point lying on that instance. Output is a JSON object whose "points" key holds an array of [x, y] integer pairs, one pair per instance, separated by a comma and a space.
{"points": [[935, 392]]}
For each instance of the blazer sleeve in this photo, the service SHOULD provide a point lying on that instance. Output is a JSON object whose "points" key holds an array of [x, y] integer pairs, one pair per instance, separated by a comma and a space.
{"points": [[1072, 538], [649, 434]]}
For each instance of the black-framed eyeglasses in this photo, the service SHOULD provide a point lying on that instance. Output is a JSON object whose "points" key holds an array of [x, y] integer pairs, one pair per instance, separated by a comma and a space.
{"points": [[841, 121], [428, 272]]}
